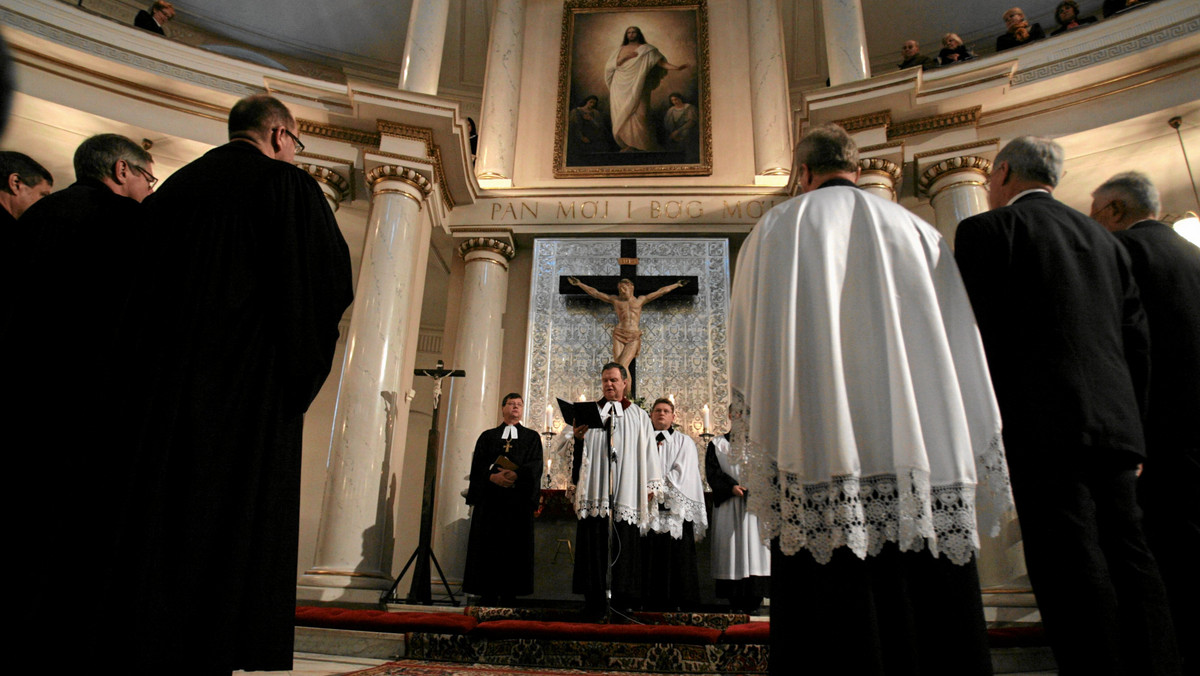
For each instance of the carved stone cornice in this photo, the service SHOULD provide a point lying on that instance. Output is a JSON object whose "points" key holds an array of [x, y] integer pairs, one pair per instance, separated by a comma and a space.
{"points": [[953, 165], [881, 118], [968, 117], [347, 134], [878, 165], [329, 177], [391, 172], [487, 244], [433, 154]]}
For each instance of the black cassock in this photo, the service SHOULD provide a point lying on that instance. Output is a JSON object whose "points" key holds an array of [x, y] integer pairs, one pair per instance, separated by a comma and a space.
{"points": [[500, 547], [234, 332]]}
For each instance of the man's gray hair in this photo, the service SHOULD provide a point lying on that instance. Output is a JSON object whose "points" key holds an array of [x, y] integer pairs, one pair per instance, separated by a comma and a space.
{"points": [[827, 148], [95, 157], [1136, 190], [1033, 159]]}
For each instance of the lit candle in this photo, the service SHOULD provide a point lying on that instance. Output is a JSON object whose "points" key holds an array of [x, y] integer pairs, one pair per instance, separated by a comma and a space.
{"points": [[581, 397], [671, 398], [549, 418], [707, 417]]}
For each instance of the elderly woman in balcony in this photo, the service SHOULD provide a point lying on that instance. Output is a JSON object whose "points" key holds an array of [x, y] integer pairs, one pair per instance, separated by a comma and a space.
{"points": [[1019, 30], [1067, 15], [953, 50]]}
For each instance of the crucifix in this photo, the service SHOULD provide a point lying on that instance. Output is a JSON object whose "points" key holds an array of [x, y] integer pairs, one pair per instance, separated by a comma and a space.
{"points": [[627, 293], [419, 591]]}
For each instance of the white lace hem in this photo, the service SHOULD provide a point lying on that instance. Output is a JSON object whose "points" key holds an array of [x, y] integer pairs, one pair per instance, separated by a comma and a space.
{"points": [[680, 509], [863, 513]]}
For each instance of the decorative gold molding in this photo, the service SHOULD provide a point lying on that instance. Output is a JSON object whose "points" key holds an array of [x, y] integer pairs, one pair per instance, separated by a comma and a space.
{"points": [[432, 151], [391, 172], [954, 149], [878, 165], [328, 177], [881, 146], [953, 165], [880, 118], [486, 244], [336, 133], [968, 117]]}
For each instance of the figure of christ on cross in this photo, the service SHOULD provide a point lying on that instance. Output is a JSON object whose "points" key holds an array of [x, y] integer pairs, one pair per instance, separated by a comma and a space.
{"points": [[627, 335]]}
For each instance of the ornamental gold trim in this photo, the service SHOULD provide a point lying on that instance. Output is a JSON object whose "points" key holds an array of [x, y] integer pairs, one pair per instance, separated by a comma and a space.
{"points": [[954, 149], [881, 118], [336, 133], [953, 165], [881, 146], [487, 244], [878, 165], [391, 172], [968, 117], [328, 177]]}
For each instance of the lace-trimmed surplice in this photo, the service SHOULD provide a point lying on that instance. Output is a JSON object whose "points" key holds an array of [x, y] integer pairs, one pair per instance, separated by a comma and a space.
{"points": [[867, 412]]}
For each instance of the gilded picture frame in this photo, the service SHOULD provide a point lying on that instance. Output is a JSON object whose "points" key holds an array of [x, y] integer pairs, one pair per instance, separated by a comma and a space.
{"points": [[633, 90]]}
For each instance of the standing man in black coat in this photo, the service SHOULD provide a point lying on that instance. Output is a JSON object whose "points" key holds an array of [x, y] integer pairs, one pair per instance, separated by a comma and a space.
{"points": [[1066, 341], [76, 260], [506, 471], [1167, 269], [235, 330]]}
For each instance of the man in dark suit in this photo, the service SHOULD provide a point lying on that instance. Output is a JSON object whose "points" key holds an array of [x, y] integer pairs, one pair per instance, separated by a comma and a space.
{"points": [[1067, 347], [153, 20], [1167, 269]]}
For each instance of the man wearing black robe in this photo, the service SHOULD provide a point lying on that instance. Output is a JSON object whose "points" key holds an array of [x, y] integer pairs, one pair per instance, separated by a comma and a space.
{"points": [[76, 255], [238, 329], [505, 472]]}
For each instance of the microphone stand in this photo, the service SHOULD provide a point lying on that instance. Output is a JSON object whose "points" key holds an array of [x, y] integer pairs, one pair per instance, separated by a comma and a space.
{"points": [[612, 524]]}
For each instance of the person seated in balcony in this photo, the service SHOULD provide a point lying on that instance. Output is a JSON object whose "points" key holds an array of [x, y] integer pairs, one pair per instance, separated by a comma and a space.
{"points": [[953, 50], [911, 51], [1067, 15], [1020, 32], [154, 19]]}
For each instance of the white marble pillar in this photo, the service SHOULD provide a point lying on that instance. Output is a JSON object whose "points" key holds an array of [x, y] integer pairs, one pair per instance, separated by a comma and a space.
{"points": [[501, 95], [879, 177], [769, 93], [956, 187], [845, 41], [422, 62], [476, 396], [333, 186], [349, 550]]}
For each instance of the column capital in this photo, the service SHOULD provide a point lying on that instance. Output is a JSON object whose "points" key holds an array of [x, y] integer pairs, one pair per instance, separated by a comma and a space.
{"points": [[338, 187], [964, 168], [392, 172], [878, 165], [487, 244]]}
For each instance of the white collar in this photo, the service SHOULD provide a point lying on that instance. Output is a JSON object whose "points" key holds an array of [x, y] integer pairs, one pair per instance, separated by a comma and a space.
{"points": [[510, 432], [1024, 193], [613, 408]]}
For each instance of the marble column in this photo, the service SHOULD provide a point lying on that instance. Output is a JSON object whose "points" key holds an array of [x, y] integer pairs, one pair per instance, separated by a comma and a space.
{"points": [[501, 94], [769, 93], [956, 187], [333, 186], [477, 395], [845, 41], [350, 538], [879, 177], [422, 62]]}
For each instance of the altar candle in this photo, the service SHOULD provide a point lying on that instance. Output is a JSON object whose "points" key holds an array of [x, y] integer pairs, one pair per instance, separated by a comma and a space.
{"points": [[671, 398], [549, 418], [707, 417]]}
